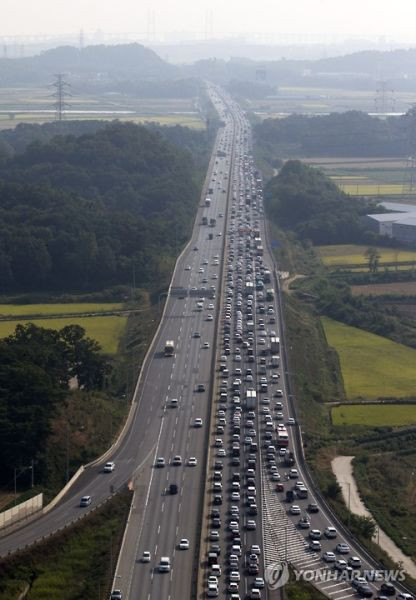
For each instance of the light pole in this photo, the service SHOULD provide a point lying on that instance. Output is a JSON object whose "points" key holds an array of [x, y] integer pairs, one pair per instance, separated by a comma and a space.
{"points": [[16, 475], [158, 300]]}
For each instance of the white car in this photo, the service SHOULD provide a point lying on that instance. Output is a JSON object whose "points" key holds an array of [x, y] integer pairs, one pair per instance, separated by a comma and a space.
{"points": [[198, 422], [188, 268], [205, 345], [192, 461], [342, 548], [258, 583], [330, 533], [109, 467], [184, 544], [234, 576], [295, 509], [329, 556], [146, 556]]}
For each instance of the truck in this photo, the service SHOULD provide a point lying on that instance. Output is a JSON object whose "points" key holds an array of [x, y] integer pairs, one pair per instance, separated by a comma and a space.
{"points": [[282, 439], [251, 399], [207, 201], [274, 345], [249, 288], [169, 348]]}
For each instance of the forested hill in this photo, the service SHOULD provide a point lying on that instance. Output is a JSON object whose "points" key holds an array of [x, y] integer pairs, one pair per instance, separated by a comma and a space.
{"points": [[119, 62], [83, 213], [304, 200], [352, 133]]}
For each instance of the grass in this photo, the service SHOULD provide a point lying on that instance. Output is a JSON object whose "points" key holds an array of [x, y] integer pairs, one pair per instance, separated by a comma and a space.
{"points": [[25, 310], [354, 254], [375, 415], [75, 564], [372, 366], [107, 331]]}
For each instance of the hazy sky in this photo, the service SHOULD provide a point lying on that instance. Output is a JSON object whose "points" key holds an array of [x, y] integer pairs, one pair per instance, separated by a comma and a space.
{"points": [[303, 17]]}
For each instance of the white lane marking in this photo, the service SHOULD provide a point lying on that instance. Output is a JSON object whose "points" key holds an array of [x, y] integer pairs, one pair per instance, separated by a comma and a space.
{"points": [[158, 529], [163, 507]]}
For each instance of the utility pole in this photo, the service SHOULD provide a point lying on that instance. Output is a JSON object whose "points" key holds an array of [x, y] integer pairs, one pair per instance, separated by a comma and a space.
{"points": [[61, 93]]}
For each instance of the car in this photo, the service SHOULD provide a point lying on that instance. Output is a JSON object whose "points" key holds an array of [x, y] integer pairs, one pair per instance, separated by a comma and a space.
{"points": [[173, 488], [200, 387], [196, 248], [209, 318], [218, 443], [196, 334], [177, 461], [232, 587], [342, 548], [364, 591], [212, 590], [329, 556], [205, 345], [255, 549], [85, 501], [234, 576], [255, 594], [184, 544], [198, 422], [354, 562], [404, 596], [313, 507], [291, 421], [315, 545], [315, 534], [357, 581], [251, 525], [258, 583], [146, 556], [330, 533], [387, 588], [293, 474], [116, 595], [295, 509], [192, 461], [109, 467], [304, 523], [188, 268], [340, 564], [214, 536]]}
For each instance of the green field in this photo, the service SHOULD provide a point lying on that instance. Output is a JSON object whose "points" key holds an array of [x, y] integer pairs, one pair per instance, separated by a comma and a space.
{"points": [[354, 254], [372, 366], [374, 189], [24, 310], [374, 415], [107, 331]]}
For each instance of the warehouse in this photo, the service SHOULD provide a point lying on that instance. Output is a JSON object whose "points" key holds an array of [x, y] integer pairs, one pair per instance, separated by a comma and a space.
{"points": [[399, 225]]}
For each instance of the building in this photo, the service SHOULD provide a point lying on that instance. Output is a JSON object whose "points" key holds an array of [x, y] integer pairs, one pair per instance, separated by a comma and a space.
{"points": [[399, 225]]}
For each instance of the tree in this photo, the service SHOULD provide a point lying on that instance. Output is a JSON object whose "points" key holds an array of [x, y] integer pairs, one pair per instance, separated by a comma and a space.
{"points": [[373, 258]]}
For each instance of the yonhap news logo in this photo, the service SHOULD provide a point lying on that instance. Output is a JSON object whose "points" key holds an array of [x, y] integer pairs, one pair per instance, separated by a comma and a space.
{"points": [[277, 575]]}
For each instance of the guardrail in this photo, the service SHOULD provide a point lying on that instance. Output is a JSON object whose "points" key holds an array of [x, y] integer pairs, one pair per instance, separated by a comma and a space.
{"points": [[298, 433]]}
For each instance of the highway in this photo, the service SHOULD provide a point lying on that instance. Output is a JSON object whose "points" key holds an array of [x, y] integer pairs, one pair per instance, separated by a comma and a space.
{"points": [[222, 313]]}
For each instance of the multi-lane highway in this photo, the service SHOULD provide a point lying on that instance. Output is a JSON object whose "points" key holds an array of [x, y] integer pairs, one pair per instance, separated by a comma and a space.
{"points": [[223, 505]]}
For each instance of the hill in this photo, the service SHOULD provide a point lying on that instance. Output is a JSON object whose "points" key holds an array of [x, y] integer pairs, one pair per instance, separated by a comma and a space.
{"points": [[85, 213], [101, 63]]}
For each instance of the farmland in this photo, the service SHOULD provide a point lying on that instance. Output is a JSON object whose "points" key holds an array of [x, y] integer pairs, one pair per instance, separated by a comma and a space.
{"points": [[24, 310], [107, 331], [354, 254], [406, 288], [374, 415], [372, 366]]}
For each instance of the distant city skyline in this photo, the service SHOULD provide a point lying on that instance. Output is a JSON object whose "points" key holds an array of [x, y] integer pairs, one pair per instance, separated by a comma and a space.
{"points": [[162, 20]]}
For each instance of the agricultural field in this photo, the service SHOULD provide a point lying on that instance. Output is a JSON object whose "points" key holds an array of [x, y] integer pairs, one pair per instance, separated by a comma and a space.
{"points": [[107, 331], [35, 105], [354, 254], [24, 310], [372, 366], [404, 288], [374, 415]]}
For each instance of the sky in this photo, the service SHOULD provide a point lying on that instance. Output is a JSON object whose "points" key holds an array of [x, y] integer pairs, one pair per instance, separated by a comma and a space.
{"points": [[303, 18]]}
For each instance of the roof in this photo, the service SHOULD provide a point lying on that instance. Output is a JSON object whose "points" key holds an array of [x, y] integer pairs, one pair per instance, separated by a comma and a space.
{"points": [[410, 220], [399, 207], [386, 217]]}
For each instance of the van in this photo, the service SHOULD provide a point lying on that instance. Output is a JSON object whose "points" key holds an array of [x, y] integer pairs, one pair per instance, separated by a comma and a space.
{"points": [[164, 565]]}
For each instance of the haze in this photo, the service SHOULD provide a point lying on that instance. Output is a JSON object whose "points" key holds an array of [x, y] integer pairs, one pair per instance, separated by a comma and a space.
{"points": [[331, 18]]}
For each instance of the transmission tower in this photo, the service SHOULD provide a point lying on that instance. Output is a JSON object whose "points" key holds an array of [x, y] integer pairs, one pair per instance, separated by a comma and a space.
{"points": [[409, 179], [384, 100], [61, 93]]}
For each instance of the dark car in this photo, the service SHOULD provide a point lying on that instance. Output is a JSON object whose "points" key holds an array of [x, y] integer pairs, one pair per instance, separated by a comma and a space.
{"points": [[173, 488], [217, 499], [313, 508], [387, 589], [200, 387], [364, 591]]}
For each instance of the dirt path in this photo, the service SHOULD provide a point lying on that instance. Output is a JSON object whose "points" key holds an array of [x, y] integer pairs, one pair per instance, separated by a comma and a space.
{"points": [[342, 468], [286, 282]]}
